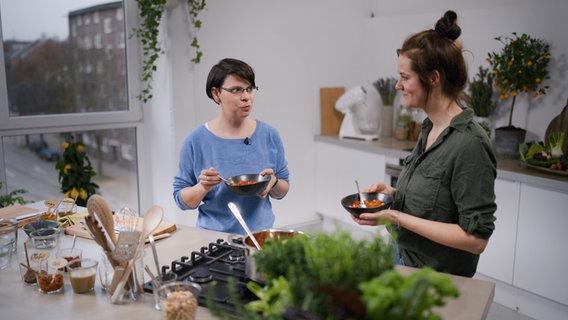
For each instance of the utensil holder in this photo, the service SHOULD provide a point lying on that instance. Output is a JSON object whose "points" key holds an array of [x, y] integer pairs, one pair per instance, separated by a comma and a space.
{"points": [[133, 287]]}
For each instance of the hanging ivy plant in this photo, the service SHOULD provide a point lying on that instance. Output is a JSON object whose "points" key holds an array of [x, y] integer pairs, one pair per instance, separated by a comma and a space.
{"points": [[151, 12]]}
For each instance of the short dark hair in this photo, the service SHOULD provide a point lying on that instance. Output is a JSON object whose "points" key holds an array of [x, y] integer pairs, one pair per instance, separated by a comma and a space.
{"points": [[438, 49], [225, 68]]}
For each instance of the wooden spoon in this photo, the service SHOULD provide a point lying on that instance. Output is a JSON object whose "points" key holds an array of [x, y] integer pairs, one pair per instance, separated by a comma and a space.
{"points": [[152, 220]]}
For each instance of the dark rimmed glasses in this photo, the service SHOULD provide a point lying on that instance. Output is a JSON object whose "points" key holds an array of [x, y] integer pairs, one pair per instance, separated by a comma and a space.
{"points": [[239, 90]]}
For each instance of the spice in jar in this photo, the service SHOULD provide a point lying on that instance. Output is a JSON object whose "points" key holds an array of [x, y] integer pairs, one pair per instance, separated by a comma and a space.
{"points": [[401, 130], [50, 283], [180, 305]]}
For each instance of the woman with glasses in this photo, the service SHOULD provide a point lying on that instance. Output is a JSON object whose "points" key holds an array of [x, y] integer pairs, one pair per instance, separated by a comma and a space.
{"points": [[230, 144], [444, 201]]}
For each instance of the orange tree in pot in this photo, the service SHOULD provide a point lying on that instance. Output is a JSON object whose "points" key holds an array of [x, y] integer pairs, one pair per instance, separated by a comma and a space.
{"points": [[520, 67]]}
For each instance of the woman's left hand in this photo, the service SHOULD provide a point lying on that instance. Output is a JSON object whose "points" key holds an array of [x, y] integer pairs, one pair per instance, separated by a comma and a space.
{"points": [[377, 218], [273, 178]]}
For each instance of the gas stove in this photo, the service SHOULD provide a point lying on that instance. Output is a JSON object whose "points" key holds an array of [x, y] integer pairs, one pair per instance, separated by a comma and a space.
{"points": [[211, 268]]}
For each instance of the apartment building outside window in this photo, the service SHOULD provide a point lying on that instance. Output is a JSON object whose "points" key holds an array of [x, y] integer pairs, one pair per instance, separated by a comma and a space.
{"points": [[62, 84]]}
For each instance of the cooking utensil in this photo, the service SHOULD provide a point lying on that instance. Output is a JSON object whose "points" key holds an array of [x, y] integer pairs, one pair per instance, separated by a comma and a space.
{"points": [[152, 220], [239, 217], [361, 202], [250, 249], [154, 252], [347, 202], [126, 220], [255, 184], [98, 207]]}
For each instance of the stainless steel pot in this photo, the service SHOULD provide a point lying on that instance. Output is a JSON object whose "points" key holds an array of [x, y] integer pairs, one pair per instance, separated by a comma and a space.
{"points": [[250, 249]]}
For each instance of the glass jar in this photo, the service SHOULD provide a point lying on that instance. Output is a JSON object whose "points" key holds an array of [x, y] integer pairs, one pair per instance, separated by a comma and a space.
{"points": [[401, 130]]}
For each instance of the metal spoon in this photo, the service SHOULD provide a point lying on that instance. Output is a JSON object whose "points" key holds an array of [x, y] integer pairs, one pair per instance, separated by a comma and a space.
{"points": [[154, 252], [361, 202], [239, 217]]}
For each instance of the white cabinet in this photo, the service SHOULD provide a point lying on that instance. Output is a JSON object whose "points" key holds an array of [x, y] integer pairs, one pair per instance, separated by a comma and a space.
{"points": [[542, 255], [527, 255], [498, 259]]}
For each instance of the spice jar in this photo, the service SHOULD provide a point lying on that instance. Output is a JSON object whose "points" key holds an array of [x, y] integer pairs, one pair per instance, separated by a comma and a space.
{"points": [[401, 130], [51, 281]]}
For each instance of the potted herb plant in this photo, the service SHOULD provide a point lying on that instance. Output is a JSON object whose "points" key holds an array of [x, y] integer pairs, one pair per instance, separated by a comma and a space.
{"points": [[387, 91], [520, 67], [151, 12], [12, 197], [480, 97]]}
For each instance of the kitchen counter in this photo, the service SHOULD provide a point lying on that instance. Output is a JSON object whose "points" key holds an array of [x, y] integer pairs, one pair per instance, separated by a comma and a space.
{"points": [[508, 169], [18, 300]]}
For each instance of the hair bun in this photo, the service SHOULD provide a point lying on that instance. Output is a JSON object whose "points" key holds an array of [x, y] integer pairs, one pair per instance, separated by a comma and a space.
{"points": [[447, 26]]}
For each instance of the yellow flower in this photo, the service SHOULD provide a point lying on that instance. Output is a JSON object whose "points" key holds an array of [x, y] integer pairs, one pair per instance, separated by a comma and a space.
{"points": [[538, 80], [514, 93], [83, 194], [80, 148], [534, 94], [65, 145], [66, 168], [530, 63]]}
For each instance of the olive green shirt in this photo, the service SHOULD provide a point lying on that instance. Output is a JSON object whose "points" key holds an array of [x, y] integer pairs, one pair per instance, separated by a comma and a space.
{"points": [[453, 181]]}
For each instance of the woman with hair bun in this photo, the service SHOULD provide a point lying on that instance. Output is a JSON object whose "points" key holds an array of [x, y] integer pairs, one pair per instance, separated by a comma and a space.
{"points": [[444, 202]]}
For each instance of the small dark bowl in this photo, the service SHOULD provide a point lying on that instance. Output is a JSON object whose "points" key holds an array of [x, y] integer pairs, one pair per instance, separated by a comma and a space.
{"points": [[39, 223], [250, 189], [348, 201]]}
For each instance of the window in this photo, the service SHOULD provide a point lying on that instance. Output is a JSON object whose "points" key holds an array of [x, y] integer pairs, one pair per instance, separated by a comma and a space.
{"points": [[59, 82], [108, 25]]}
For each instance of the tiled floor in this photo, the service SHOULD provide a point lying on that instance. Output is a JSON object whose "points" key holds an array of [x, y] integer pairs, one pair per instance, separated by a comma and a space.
{"points": [[500, 312]]}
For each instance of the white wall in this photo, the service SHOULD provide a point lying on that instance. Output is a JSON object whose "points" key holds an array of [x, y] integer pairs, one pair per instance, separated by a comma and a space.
{"points": [[297, 46]]}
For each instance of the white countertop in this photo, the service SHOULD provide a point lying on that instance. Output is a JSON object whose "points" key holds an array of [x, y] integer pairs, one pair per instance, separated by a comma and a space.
{"points": [[508, 169], [21, 301]]}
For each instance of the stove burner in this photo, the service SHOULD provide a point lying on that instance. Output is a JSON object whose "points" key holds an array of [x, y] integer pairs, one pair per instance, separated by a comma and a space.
{"points": [[213, 267], [237, 255], [201, 275]]}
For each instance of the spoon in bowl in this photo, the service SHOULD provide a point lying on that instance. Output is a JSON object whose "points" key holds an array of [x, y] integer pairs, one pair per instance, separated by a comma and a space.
{"points": [[361, 202], [239, 217]]}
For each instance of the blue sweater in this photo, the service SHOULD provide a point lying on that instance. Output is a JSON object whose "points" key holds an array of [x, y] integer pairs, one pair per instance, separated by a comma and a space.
{"points": [[202, 149]]}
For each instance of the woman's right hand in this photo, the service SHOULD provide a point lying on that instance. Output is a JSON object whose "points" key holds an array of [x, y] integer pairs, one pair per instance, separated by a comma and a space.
{"points": [[208, 178], [380, 187]]}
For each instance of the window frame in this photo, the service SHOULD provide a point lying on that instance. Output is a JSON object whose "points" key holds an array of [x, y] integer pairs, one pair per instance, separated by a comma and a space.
{"points": [[52, 123]]}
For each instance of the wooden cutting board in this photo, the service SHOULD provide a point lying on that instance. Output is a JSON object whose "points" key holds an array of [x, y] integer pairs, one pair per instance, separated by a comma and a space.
{"points": [[16, 211], [80, 231], [559, 124], [330, 117]]}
